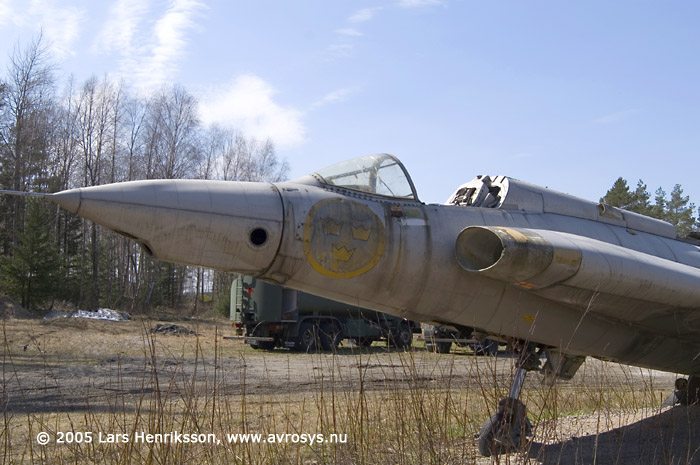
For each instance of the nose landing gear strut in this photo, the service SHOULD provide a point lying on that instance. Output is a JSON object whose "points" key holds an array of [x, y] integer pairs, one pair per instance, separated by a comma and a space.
{"points": [[507, 430]]}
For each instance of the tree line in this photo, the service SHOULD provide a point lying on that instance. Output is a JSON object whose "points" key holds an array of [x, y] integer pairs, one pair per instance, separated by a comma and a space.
{"points": [[99, 131], [91, 133], [676, 209]]}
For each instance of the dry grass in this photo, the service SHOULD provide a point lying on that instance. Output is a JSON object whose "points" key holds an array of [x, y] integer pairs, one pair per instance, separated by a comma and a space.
{"points": [[399, 408]]}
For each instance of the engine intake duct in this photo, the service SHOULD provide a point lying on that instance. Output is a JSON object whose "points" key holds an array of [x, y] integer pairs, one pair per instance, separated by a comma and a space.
{"points": [[535, 259]]}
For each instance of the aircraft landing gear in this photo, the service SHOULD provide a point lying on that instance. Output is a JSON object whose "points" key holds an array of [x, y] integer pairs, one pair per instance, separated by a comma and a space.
{"points": [[687, 391], [507, 430]]}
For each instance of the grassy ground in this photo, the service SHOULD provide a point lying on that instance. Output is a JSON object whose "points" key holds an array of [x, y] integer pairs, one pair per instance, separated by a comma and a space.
{"points": [[98, 388]]}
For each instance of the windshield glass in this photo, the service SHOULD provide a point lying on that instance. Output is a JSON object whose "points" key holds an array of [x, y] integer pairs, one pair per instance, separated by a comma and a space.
{"points": [[376, 174]]}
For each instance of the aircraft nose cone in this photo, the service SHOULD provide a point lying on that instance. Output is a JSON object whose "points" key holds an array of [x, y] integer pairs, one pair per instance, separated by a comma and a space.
{"points": [[70, 199], [232, 226]]}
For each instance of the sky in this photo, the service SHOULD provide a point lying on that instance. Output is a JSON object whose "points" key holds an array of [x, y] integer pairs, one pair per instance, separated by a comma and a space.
{"points": [[568, 94]]}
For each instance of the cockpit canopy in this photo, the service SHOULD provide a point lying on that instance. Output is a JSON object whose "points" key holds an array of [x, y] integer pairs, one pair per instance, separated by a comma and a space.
{"points": [[381, 174]]}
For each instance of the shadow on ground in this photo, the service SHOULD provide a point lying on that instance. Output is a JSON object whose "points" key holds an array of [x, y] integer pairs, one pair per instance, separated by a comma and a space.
{"points": [[671, 437]]}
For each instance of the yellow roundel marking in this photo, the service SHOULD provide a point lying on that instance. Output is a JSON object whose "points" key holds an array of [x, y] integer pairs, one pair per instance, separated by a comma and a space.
{"points": [[343, 238], [529, 318]]}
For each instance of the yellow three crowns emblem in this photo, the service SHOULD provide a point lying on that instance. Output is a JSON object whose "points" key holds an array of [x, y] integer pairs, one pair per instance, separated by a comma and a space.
{"points": [[343, 238]]}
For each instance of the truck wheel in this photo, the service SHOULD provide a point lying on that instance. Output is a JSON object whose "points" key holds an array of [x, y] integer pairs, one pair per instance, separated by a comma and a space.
{"points": [[486, 347], [307, 340], [330, 335], [401, 337], [442, 347], [492, 347]]}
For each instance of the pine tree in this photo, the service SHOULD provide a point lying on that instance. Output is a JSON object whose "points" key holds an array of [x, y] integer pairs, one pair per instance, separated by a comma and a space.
{"points": [[30, 273], [679, 211], [640, 198], [658, 210], [619, 195]]}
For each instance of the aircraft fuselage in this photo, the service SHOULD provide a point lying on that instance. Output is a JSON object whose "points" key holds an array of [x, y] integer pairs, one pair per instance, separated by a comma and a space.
{"points": [[553, 270]]}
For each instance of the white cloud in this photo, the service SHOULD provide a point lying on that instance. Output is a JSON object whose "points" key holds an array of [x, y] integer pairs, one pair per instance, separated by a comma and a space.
{"points": [[345, 45], [363, 15], [60, 25], [615, 117], [5, 12], [336, 96], [149, 50], [247, 104], [118, 33], [349, 32], [168, 42], [339, 50], [418, 3]]}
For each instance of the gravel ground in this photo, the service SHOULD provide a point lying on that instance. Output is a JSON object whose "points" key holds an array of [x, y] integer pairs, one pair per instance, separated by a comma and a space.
{"points": [[45, 370]]}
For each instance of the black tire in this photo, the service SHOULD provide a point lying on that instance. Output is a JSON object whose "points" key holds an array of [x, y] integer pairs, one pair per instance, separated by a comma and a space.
{"points": [[402, 336], [486, 444], [443, 347], [491, 438], [307, 339], [691, 394], [330, 335], [486, 347]]}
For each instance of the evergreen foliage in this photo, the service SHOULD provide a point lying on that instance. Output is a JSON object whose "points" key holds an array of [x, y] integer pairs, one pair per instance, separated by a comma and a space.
{"points": [[95, 133], [677, 210], [619, 195], [31, 274], [641, 199]]}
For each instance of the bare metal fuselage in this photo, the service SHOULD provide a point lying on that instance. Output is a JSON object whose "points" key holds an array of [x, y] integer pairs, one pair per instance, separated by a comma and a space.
{"points": [[584, 285]]}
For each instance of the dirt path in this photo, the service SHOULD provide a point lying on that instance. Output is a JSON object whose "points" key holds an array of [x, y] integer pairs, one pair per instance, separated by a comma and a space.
{"points": [[103, 367]]}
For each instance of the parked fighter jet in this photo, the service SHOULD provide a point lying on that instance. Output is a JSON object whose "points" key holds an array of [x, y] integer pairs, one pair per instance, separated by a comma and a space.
{"points": [[552, 274]]}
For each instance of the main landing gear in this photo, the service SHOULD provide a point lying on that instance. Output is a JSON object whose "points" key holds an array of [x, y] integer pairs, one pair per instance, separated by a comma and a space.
{"points": [[507, 430], [687, 392]]}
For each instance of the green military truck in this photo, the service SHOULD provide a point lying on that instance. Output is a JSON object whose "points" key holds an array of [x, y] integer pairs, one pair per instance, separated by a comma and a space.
{"points": [[440, 339], [268, 316]]}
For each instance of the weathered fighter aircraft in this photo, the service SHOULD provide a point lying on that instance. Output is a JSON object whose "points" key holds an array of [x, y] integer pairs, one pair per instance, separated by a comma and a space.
{"points": [[553, 274]]}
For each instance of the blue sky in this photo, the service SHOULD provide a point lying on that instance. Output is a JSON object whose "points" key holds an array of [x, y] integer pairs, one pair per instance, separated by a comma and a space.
{"points": [[566, 94]]}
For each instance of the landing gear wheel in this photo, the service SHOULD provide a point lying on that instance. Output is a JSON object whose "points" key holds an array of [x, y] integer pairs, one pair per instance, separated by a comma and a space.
{"points": [[505, 431], [688, 392], [365, 341]]}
